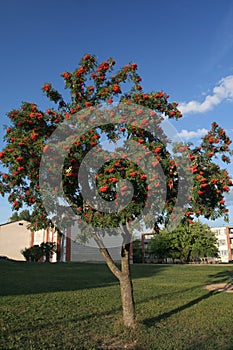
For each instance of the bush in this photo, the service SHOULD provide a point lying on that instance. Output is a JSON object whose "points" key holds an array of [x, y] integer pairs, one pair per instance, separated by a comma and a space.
{"points": [[37, 252]]}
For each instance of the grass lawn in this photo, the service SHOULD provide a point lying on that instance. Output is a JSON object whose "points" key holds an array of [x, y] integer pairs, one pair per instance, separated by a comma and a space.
{"points": [[77, 306]]}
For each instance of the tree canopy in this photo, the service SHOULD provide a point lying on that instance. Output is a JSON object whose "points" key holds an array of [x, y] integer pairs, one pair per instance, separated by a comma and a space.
{"points": [[92, 84], [58, 155]]}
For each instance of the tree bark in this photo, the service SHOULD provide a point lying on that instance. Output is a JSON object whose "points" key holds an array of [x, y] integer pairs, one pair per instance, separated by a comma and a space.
{"points": [[126, 285], [123, 275], [109, 261], [188, 256]]}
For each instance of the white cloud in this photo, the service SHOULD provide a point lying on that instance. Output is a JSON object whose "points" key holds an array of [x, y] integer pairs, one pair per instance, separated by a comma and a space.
{"points": [[185, 134], [221, 92], [229, 198]]}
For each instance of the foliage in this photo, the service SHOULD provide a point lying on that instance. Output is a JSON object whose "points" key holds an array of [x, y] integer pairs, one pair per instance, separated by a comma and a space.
{"points": [[91, 84], [137, 251], [174, 311], [160, 246], [139, 116], [23, 215], [33, 253], [187, 242], [48, 248], [37, 252]]}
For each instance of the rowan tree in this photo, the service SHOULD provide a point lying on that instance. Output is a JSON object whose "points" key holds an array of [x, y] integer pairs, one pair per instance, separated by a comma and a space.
{"points": [[97, 91]]}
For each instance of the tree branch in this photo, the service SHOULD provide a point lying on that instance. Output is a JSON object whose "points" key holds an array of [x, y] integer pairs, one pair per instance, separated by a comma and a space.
{"points": [[109, 261]]}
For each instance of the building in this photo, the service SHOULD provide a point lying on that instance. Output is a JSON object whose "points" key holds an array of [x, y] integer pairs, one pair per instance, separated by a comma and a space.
{"points": [[16, 236], [146, 256], [224, 235], [89, 252]]}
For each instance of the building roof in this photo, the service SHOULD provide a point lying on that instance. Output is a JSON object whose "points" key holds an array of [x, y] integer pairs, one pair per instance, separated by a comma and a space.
{"points": [[20, 222]]}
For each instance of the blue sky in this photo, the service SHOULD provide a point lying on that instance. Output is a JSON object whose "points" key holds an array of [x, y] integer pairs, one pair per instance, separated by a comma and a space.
{"points": [[183, 47]]}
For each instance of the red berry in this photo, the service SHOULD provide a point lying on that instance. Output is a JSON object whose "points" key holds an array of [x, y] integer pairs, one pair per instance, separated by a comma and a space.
{"points": [[116, 88]]}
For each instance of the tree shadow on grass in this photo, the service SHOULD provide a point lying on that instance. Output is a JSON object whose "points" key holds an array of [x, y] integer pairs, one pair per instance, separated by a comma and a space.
{"points": [[150, 322], [22, 278], [225, 276], [111, 314], [221, 277]]}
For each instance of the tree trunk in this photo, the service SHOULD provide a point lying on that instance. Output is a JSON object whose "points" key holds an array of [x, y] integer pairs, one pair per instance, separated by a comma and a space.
{"points": [[189, 256], [127, 288], [123, 275]]}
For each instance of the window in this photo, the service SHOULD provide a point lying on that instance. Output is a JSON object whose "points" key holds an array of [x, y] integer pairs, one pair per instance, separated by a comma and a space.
{"points": [[223, 252], [222, 242], [219, 231]]}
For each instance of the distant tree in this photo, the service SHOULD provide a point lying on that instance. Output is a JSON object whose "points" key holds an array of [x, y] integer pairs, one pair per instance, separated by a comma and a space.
{"points": [[14, 217], [186, 242], [159, 246], [23, 215], [181, 242], [205, 244]]}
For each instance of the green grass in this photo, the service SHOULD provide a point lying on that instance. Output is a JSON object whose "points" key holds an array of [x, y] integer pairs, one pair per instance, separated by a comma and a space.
{"points": [[78, 306]]}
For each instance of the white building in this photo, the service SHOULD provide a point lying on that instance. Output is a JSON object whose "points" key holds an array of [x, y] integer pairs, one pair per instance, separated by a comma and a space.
{"points": [[16, 236], [224, 235]]}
